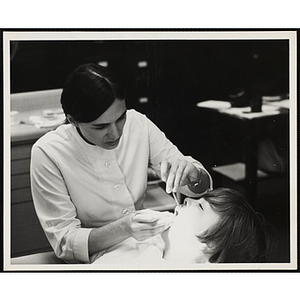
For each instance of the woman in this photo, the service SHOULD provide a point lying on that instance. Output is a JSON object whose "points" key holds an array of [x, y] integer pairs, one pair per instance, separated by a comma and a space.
{"points": [[89, 176], [220, 227]]}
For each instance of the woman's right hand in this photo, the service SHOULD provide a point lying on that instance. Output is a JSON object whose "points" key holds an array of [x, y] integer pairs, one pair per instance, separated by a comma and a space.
{"points": [[146, 223]]}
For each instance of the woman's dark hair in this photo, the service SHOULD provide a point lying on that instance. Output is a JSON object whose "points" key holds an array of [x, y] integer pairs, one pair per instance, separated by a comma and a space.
{"points": [[89, 91], [241, 235]]}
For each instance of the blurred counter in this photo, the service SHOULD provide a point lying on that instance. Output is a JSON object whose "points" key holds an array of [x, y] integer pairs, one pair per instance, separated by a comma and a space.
{"points": [[27, 236], [35, 104]]}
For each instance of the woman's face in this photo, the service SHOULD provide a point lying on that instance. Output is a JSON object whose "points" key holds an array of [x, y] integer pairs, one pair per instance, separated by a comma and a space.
{"points": [[192, 218], [107, 130]]}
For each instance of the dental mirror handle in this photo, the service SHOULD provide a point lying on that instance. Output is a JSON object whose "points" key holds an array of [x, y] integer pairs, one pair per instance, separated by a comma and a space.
{"points": [[175, 198]]}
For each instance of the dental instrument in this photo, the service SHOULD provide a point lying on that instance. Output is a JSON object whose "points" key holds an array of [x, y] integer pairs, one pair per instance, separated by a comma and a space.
{"points": [[175, 198]]}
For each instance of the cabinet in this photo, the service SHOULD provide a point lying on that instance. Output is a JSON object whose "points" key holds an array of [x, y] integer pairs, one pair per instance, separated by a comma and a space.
{"points": [[27, 235]]}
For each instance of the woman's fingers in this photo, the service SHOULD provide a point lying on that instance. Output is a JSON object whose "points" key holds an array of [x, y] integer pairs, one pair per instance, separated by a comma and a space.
{"points": [[182, 172], [176, 174], [145, 218], [164, 170], [188, 171], [147, 232], [147, 223], [171, 178], [168, 174]]}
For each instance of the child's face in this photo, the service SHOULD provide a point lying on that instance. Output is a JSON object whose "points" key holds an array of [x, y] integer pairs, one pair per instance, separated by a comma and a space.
{"points": [[192, 218]]}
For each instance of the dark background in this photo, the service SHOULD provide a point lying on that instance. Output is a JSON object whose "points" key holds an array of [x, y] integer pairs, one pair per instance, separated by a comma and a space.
{"points": [[178, 75]]}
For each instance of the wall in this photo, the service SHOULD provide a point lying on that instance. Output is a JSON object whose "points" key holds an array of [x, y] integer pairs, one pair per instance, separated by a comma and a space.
{"points": [[178, 74]]}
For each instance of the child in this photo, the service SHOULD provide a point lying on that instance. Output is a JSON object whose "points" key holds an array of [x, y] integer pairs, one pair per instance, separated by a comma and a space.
{"points": [[220, 227]]}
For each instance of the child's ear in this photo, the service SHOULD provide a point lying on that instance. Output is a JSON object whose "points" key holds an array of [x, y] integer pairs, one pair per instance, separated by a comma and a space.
{"points": [[203, 253]]}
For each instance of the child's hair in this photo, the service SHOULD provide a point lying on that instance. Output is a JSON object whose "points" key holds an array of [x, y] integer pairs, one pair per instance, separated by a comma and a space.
{"points": [[241, 235]]}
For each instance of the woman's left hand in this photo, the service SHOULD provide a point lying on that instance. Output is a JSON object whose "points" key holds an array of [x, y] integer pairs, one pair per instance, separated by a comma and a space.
{"points": [[178, 173]]}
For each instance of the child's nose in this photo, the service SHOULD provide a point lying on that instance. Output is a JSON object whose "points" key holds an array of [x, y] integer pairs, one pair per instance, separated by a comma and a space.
{"points": [[187, 202]]}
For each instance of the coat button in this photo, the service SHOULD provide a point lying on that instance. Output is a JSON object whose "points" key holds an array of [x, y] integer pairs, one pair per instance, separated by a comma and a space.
{"points": [[117, 187], [107, 164], [127, 211]]}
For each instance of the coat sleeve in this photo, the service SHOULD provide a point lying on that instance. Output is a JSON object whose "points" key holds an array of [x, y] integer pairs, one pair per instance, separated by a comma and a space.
{"points": [[163, 149], [55, 210]]}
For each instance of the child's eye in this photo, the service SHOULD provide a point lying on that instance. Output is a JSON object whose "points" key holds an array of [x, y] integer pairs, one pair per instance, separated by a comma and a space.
{"points": [[201, 206]]}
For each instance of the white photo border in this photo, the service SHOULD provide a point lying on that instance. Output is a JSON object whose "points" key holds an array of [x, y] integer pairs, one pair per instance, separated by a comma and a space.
{"points": [[77, 35]]}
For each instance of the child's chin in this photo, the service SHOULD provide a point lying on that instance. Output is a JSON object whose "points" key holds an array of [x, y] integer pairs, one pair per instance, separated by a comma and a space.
{"points": [[165, 236]]}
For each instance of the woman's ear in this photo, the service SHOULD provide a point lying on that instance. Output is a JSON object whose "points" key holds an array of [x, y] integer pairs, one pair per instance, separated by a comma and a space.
{"points": [[71, 120]]}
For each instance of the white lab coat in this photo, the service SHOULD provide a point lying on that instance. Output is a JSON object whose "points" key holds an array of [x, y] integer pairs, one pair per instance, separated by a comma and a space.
{"points": [[77, 186]]}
